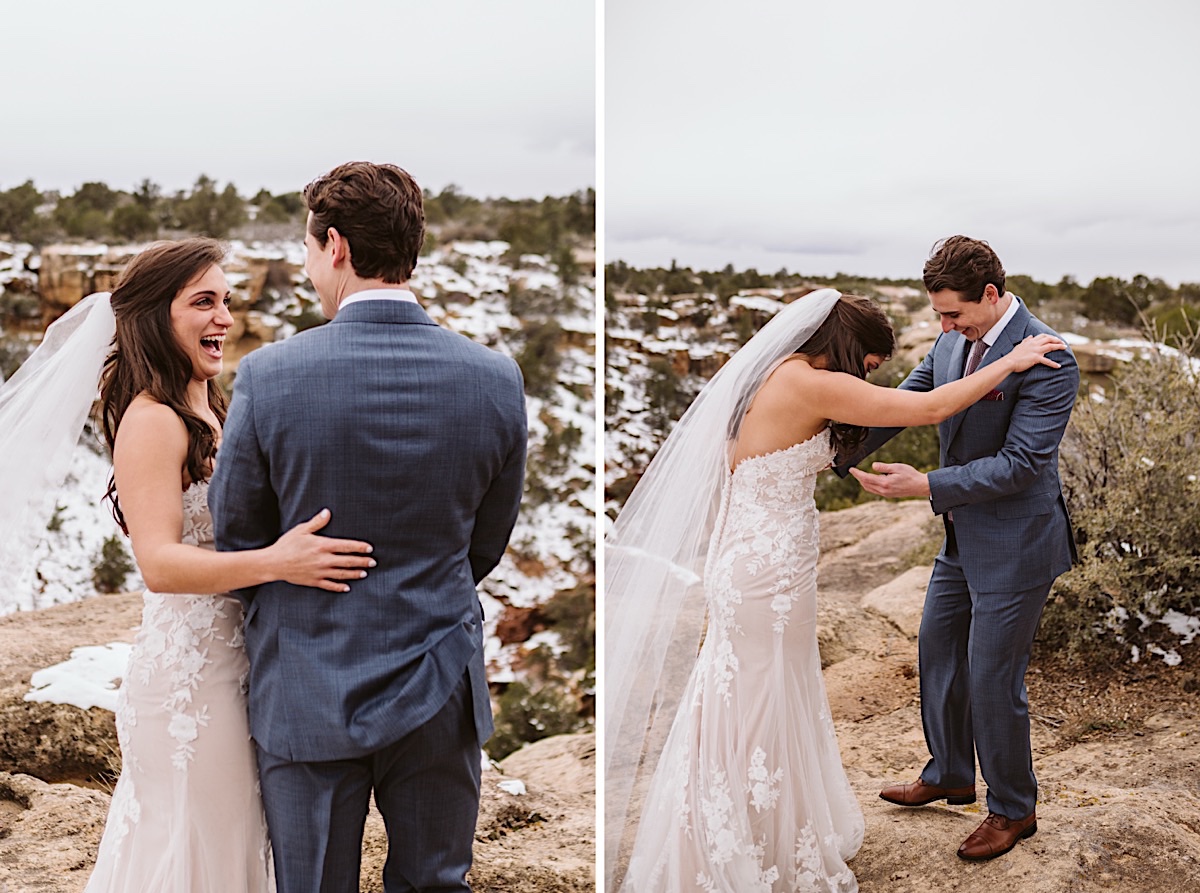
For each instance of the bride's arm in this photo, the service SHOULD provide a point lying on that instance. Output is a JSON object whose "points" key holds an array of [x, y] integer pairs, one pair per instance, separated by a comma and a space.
{"points": [[148, 457], [853, 401]]}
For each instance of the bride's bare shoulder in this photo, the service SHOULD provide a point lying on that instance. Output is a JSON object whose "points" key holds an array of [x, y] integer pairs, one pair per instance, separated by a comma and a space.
{"points": [[788, 379], [146, 416]]}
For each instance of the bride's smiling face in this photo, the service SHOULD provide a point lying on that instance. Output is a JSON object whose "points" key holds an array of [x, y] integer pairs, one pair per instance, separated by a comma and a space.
{"points": [[200, 319]]}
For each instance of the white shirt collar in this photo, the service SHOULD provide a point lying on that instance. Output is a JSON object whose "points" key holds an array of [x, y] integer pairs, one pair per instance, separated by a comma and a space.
{"points": [[994, 332], [379, 294]]}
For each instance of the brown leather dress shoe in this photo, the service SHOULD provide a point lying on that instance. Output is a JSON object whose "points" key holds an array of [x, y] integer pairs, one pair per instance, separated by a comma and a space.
{"points": [[996, 836], [918, 794]]}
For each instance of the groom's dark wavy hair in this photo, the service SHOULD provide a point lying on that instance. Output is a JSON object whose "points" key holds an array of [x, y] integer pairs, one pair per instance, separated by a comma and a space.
{"points": [[855, 327], [964, 265], [146, 358], [378, 209]]}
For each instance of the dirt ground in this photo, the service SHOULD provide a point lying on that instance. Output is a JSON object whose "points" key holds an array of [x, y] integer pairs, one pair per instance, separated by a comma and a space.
{"points": [[1116, 748], [57, 765]]}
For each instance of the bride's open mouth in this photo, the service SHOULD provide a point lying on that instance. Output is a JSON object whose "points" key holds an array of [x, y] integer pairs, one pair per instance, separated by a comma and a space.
{"points": [[213, 345]]}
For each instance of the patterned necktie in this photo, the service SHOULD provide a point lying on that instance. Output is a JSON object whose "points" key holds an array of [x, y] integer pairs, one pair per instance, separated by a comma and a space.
{"points": [[977, 350]]}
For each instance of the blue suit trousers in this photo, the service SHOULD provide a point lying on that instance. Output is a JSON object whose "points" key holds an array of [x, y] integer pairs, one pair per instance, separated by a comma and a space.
{"points": [[974, 651], [426, 788]]}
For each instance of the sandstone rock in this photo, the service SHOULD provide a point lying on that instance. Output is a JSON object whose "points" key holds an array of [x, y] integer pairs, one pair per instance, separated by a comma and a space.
{"points": [[1096, 839], [901, 600], [48, 834], [516, 624], [247, 276], [69, 273], [915, 342], [835, 632], [251, 329], [57, 742], [860, 551], [1093, 359], [564, 763], [545, 839]]}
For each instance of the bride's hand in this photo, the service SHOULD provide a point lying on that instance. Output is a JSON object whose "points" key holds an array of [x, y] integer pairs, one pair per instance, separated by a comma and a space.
{"points": [[1033, 350], [306, 559]]}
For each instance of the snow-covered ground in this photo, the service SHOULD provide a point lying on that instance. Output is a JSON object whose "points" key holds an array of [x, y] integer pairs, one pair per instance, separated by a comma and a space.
{"points": [[89, 679], [67, 555]]}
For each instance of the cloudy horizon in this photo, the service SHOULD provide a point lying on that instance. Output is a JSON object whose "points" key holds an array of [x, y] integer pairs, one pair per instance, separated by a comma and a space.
{"points": [[849, 138]]}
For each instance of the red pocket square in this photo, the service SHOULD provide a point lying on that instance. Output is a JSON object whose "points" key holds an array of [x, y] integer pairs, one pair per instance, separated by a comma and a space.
{"points": [[994, 395]]}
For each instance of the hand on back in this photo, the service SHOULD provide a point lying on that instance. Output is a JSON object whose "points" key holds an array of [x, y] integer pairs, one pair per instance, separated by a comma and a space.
{"points": [[305, 558]]}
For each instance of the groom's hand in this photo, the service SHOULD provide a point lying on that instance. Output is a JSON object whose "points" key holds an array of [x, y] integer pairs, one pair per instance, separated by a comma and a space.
{"points": [[893, 480]]}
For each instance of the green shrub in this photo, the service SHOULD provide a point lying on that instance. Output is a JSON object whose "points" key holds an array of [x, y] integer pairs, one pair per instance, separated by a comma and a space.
{"points": [[572, 613], [134, 221], [13, 352], [668, 394], [18, 211], [539, 357], [113, 566], [1133, 489], [529, 712]]}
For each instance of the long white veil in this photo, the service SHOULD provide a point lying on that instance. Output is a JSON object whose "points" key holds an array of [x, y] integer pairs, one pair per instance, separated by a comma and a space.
{"points": [[43, 408], [654, 564]]}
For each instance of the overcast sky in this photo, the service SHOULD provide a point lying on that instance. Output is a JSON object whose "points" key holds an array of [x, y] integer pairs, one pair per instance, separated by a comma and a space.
{"points": [[497, 98], [828, 137]]}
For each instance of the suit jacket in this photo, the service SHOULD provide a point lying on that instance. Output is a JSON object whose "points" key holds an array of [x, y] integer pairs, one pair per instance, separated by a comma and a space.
{"points": [[414, 437], [999, 462]]}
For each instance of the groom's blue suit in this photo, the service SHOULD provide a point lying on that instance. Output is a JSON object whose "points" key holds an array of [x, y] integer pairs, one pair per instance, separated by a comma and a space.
{"points": [[414, 437], [1008, 538]]}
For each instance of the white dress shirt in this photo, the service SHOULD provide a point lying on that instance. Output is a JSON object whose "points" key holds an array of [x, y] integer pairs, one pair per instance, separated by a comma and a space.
{"points": [[379, 294], [993, 333]]}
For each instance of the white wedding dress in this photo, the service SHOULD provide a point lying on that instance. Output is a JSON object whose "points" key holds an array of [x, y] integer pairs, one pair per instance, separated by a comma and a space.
{"points": [[750, 795], [186, 814]]}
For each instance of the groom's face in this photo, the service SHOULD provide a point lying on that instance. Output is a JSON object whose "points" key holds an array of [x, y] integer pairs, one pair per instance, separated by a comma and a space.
{"points": [[972, 319]]}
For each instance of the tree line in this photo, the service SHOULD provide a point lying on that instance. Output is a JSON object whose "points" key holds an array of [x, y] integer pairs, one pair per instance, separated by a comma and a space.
{"points": [[96, 211], [1108, 299]]}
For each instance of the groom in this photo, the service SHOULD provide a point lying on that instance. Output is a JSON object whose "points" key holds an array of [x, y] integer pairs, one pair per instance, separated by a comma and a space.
{"points": [[1007, 538], [414, 438]]}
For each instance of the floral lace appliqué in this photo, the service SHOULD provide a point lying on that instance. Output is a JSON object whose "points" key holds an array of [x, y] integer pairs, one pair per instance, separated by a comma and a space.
{"points": [[763, 786]]}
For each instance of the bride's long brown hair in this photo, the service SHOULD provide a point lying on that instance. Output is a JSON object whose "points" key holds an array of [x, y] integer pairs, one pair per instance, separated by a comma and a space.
{"points": [[856, 327], [146, 358]]}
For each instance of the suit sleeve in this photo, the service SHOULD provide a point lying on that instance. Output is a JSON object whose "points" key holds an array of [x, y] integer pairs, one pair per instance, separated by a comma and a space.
{"points": [[1037, 425], [497, 512], [920, 379], [244, 506]]}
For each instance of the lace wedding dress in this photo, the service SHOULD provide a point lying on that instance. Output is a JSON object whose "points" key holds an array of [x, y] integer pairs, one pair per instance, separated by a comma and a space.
{"points": [[186, 814], [750, 795]]}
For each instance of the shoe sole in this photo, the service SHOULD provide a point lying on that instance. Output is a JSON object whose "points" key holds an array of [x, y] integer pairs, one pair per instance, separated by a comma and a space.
{"points": [[953, 801], [1028, 832]]}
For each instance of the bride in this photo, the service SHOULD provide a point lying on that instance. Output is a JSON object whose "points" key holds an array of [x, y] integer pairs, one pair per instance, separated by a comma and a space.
{"points": [[186, 812], [722, 771]]}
